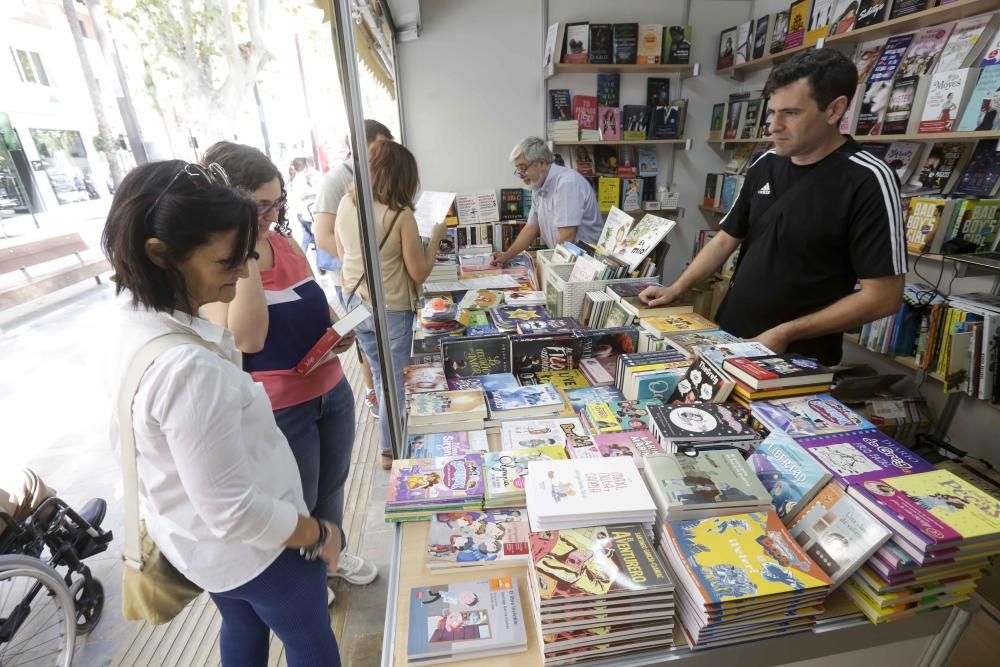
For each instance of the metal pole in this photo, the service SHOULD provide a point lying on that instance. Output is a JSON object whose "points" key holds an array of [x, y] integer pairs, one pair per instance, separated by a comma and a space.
{"points": [[347, 68]]}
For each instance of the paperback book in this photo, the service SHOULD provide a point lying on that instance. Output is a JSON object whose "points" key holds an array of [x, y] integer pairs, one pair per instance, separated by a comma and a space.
{"points": [[566, 432], [558, 352], [703, 383], [442, 406], [805, 416], [506, 472], [475, 355], [698, 422], [780, 370], [433, 445], [472, 539], [443, 480], [531, 401], [711, 483], [791, 476], [491, 382], [635, 444], [419, 378]]}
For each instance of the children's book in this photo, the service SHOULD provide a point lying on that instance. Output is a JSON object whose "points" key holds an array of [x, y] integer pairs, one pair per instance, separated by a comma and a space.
{"points": [[711, 480], [464, 621], [859, 456], [703, 382], [804, 416], [491, 382], [447, 406], [642, 238], [507, 317], [579, 398], [465, 356], [469, 539], [506, 472], [616, 228], [788, 472], [613, 417], [837, 533], [433, 445], [566, 432], [419, 378], [537, 399], [699, 422], [636, 444], [433, 481]]}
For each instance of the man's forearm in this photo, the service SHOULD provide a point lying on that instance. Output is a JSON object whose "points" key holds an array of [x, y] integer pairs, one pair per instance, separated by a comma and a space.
{"points": [[847, 313], [708, 261]]}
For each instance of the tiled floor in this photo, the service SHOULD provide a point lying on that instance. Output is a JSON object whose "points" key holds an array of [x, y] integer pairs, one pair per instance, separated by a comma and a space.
{"points": [[55, 419]]}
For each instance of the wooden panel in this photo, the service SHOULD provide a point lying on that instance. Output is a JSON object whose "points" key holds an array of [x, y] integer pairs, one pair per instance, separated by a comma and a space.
{"points": [[14, 296], [13, 258]]}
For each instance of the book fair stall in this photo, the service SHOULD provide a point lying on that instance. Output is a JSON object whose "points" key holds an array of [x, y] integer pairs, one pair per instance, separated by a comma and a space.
{"points": [[581, 477]]}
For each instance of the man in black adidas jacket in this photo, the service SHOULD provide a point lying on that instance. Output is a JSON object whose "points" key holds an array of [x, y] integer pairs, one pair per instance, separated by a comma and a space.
{"points": [[836, 223]]}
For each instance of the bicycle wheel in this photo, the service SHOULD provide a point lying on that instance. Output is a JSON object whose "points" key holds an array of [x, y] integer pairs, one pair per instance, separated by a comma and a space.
{"points": [[37, 618]]}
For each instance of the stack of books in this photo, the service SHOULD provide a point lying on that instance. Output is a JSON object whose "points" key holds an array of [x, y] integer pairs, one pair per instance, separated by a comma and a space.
{"points": [[430, 445], [422, 378], [525, 298], [439, 315], [645, 375], [537, 400], [597, 308], [506, 473], [566, 432], [564, 130], [686, 342], [774, 376], [445, 268], [688, 428], [666, 325], [465, 621], [626, 294], [615, 599], [586, 492], [636, 444], [805, 416], [720, 599], [789, 473], [713, 483], [477, 539], [943, 531], [445, 411], [419, 488]]}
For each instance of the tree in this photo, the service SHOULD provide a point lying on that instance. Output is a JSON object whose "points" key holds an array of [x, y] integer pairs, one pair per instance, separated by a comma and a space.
{"points": [[94, 89], [212, 50]]}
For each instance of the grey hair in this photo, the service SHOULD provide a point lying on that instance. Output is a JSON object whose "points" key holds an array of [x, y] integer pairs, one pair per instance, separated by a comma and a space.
{"points": [[533, 149]]}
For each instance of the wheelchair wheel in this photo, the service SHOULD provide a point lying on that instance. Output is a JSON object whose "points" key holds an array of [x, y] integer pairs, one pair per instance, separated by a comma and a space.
{"points": [[88, 600], [37, 618]]}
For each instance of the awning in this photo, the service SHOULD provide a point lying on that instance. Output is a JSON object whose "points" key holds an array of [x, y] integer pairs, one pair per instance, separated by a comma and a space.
{"points": [[369, 51]]}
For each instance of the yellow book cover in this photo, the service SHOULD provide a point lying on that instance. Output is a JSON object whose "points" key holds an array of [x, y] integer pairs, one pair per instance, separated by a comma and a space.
{"points": [[608, 192], [798, 21], [923, 222], [680, 323], [953, 501], [601, 418], [568, 379]]}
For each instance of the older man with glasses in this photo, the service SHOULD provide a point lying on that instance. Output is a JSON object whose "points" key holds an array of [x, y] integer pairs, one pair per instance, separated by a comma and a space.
{"points": [[564, 206]]}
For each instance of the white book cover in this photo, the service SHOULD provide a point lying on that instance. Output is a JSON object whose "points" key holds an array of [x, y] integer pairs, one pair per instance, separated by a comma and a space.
{"points": [[744, 42], [945, 97], [642, 239], [431, 209], [468, 209], [578, 488], [541, 432], [488, 209], [963, 42], [615, 229], [587, 269]]}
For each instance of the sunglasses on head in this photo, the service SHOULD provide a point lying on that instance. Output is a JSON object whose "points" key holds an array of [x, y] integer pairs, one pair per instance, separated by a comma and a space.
{"points": [[200, 177]]}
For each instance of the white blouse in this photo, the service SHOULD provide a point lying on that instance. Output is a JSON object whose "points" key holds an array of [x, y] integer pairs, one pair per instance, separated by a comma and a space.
{"points": [[219, 488]]}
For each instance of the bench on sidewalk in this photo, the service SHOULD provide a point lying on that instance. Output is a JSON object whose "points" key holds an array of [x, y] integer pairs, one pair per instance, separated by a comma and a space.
{"points": [[26, 255]]}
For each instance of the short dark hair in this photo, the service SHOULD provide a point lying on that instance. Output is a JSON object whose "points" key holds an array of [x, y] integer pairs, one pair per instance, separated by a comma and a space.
{"points": [[185, 218], [831, 74], [373, 129], [248, 169]]}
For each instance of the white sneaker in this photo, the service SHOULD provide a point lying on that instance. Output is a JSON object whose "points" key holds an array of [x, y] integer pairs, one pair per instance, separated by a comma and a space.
{"points": [[330, 597], [355, 570]]}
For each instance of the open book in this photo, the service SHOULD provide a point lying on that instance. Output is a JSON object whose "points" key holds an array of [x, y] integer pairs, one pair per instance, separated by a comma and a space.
{"points": [[322, 351]]}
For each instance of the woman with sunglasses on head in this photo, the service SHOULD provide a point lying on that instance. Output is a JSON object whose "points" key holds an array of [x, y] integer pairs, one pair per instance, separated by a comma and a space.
{"points": [[278, 314], [219, 489]]}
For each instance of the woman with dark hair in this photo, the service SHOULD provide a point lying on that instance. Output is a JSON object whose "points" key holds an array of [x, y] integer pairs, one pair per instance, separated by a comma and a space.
{"points": [[278, 314], [219, 489], [405, 264]]}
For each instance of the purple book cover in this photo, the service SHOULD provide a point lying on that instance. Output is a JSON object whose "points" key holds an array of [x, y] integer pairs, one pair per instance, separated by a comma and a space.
{"points": [[860, 456], [907, 520], [437, 480]]}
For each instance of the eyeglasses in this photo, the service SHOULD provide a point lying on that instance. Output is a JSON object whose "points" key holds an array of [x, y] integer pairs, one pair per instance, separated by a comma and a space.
{"points": [[520, 171], [263, 208], [199, 176]]}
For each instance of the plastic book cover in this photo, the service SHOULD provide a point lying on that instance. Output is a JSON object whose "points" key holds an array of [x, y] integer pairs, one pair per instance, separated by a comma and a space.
{"points": [[558, 489], [703, 421], [743, 556], [804, 416], [837, 533], [593, 563], [532, 396], [936, 507], [492, 382], [432, 445], [790, 475], [860, 456], [435, 480], [579, 398], [465, 404], [506, 470], [541, 432], [470, 617], [475, 355], [707, 479], [423, 378], [456, 539]]}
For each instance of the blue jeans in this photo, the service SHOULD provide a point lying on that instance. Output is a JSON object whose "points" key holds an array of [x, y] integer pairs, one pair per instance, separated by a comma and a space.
{"points": [[288, 597], [320, 433], [401, 344]]}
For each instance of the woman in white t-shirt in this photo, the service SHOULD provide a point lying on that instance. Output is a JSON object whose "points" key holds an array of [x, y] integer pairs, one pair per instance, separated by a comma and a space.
{"points": [[219, 488]]}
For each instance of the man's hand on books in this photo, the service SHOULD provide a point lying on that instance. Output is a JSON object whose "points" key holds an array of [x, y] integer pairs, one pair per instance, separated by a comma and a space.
{"points": [[499, 258], [773, 339], [659, 296], [344, 343]]}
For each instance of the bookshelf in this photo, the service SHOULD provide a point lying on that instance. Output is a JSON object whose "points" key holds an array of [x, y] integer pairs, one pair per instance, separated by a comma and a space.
{"points": [[712, 210], [933, 16], [888, 138], [641, 142], [684, 71]]}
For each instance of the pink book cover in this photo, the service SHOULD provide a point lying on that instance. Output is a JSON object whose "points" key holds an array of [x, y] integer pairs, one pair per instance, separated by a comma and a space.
{"points": [[609, 123]]}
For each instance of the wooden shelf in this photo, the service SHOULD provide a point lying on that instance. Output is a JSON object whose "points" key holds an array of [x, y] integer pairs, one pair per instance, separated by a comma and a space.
{"points": [[639, 142], [712, 210], [570, 68], [928, 17], [889, 138]]}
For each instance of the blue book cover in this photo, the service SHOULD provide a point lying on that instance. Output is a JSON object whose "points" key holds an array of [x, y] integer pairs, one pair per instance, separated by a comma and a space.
{"points": [[578, 398], [660, 385], [730, 188], [492, 382], [532, 396], [788, 472], [805, 416]]}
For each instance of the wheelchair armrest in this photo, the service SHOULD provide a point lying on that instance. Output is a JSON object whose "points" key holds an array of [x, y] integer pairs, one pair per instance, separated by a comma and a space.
{"points": [[93, 512]]}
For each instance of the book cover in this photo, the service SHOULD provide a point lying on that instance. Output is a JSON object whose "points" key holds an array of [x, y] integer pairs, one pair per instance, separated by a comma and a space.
{"points": [[601, 45], [435, 480], [744, 42], [717, 354], [940, 168], [897, 116], [541, 432], [507, 317], [450, 405], [458, 539], [845, 15], [714, 554], [675, 324], [531, 354], [647, 161], [491, 382], [560, 104], [608, 85], [650, 45], [617, 416], [489, 209], [322, 350], [991, 55], [870, 12], [583, 159], [450, 620], [524, 298], [585, 111], [701, 421], [626, 36], [853, 458], [711, 478], [677, 45], [579, 398], [778, 32], [424, 377], [715, 126], [964, 43], [558, 490], [798, 20], [789, 473], [878, 90], [760, 34], [727, 48], [609, 126], [635, 122], [506, 471], [778, 368], [979, 178], [565, 379], [532, 396], [714, 336], [923, 222], [608, 192], [982, 113], [481, 299], [511, 204], [820, 18], [901, 8], [866, 56], [557, 325], [576, 43], [702, 383], [635, 444], [837, 533], [805, 416], [596, 563], [946, 95], [922, 55], [977, 221], [606, 160], [465, 356], [433, 445]]}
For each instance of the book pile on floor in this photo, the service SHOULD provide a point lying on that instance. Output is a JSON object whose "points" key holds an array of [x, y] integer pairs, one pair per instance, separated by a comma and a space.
{"points": [[419, 488], [598, 592]]}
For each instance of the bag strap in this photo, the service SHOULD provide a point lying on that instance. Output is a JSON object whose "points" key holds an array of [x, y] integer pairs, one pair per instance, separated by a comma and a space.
{"points": [[380, 246], [143, 359]]}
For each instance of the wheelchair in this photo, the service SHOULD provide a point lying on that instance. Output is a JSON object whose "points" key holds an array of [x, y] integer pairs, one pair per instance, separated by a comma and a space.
{"points": [[41, 610]]}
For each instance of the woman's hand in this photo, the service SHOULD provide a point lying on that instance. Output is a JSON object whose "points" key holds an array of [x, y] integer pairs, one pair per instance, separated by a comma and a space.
{"points": [[438, 233], [345, 343], [332, 547]]}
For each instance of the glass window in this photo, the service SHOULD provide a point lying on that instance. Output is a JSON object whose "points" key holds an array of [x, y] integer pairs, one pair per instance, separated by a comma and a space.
{"points": [[36, 62], [29, 66]]}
